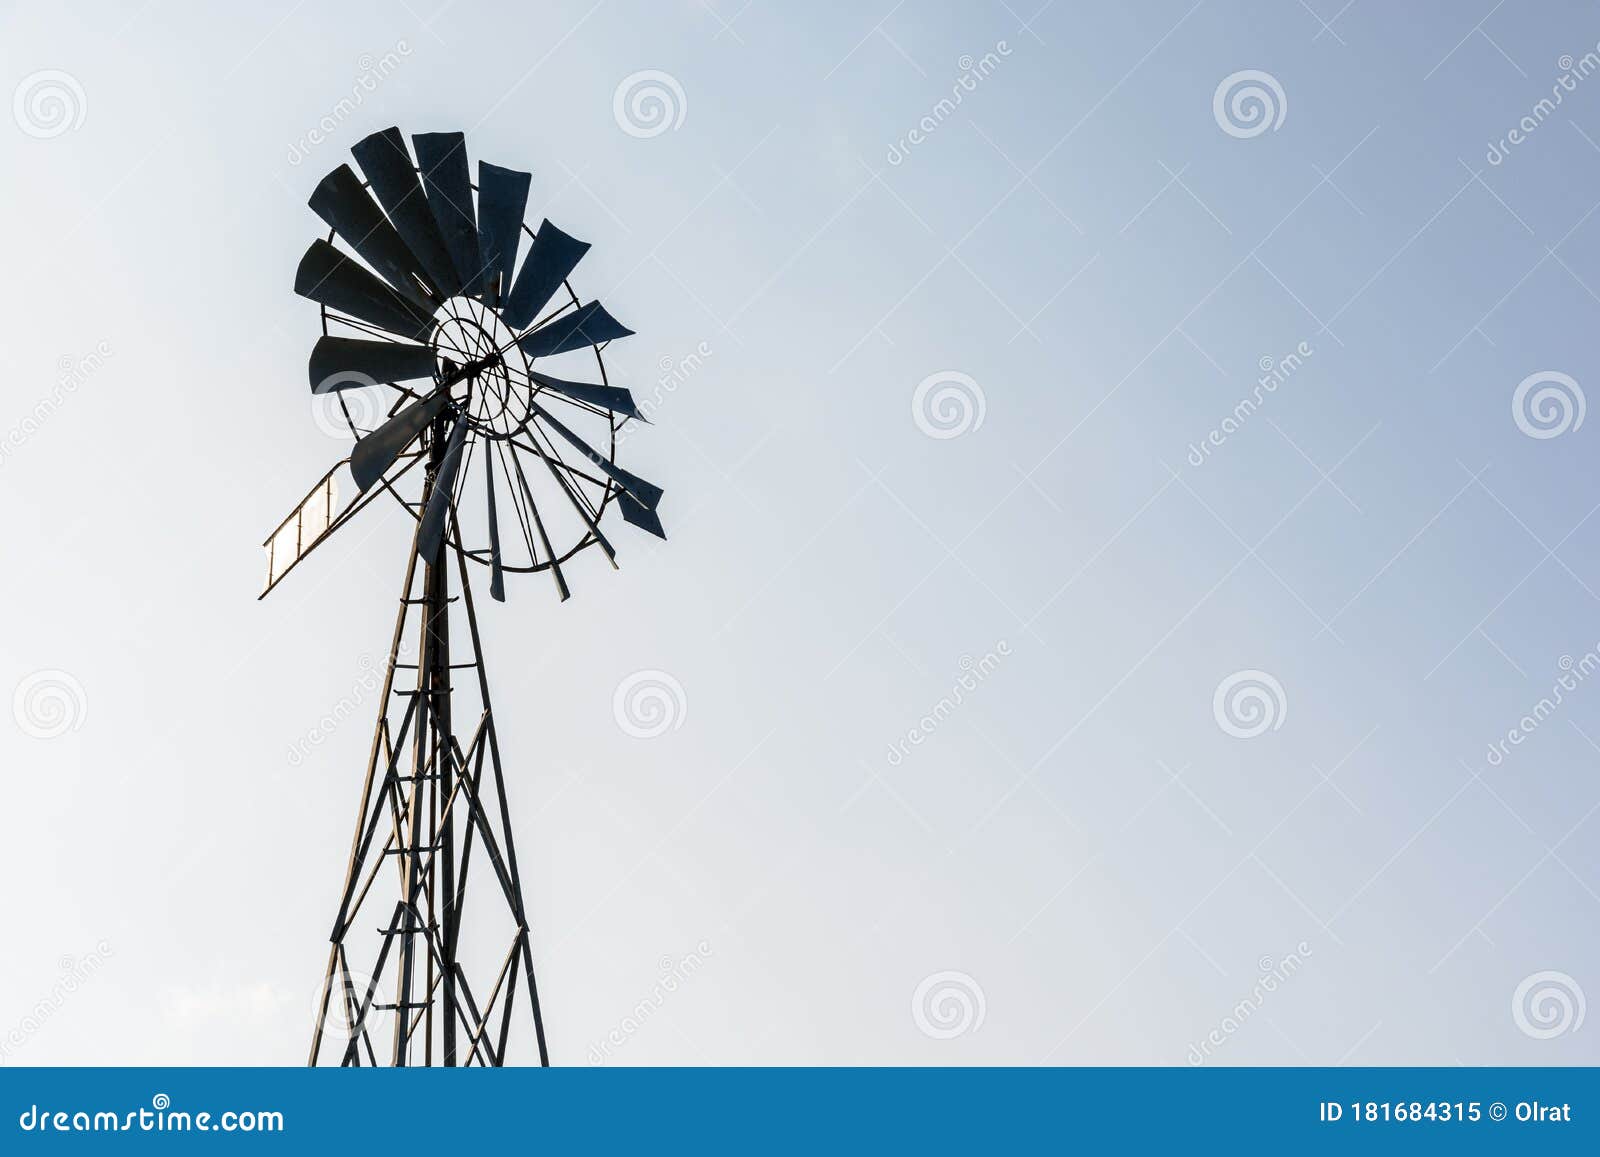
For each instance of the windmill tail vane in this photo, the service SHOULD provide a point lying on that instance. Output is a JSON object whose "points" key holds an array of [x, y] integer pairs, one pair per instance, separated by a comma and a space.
{"points": [[430, 335]]}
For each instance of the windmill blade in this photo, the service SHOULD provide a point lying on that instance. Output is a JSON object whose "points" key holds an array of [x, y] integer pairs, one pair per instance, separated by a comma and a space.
{"points": [[340, 363], [350, 212], [502, 200], [551, 259], [497, 578], [613, 398], [387, 165], [586, 326], [648, 494], [376, 452], [430, 535], [329, 277], [442, 157], [636, 515]]}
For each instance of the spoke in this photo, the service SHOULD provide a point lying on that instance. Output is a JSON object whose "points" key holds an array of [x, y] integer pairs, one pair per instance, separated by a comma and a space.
{"points": [[540, 391], [579, 506], [533, 508], [647, 494], [517, 507], [553, 453], [365, 327], [446, 336]]}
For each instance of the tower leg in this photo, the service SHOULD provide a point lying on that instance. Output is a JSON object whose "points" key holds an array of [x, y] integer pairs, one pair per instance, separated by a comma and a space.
{"points": [[431, 798]]}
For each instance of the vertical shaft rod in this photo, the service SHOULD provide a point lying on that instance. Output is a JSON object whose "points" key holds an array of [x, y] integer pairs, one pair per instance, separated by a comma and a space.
{"points": [[424, 743], [446, 770]]}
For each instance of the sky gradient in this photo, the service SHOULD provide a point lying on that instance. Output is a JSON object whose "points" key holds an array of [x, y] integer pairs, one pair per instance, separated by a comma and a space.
{"points": [[999, 730]]}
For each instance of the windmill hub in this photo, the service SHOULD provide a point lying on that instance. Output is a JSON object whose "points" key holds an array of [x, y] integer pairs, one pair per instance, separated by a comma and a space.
{"points": [[468, 332]]}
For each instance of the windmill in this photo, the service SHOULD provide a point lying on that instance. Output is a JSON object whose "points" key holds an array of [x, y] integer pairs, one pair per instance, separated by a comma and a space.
{"points": [[430, 338]]}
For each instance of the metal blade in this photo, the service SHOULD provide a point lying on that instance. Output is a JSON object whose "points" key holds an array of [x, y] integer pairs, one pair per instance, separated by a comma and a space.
{"points": [[637, 515], [350, 212], [442, 157], [497, 578], [551, 258], [502, 200], [648, 494], [588, 325], [387, 165], [376, 452], [613, 398], [431, 535], [328, 276], [340, 363]]}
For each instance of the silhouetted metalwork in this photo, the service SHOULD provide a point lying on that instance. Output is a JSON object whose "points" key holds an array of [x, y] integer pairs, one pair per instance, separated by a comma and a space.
{"points": [[427, 350]]}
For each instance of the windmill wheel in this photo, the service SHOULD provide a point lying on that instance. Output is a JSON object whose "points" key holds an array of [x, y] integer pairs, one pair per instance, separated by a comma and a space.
{"points": [[437, 348]]}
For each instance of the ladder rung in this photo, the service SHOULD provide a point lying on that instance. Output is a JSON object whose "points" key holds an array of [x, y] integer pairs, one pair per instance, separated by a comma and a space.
{"points": [[408, 851]]}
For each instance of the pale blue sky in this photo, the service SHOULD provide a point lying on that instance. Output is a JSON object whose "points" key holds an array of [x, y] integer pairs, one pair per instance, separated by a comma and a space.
{"points": [[1103, 262]]}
